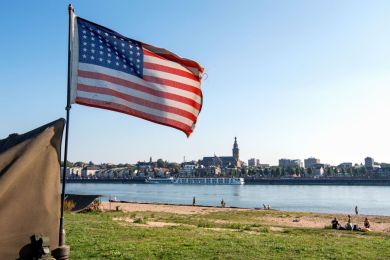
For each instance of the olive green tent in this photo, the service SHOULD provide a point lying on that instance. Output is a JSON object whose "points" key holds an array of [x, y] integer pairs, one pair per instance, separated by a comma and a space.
{"points": [[30, 188]]}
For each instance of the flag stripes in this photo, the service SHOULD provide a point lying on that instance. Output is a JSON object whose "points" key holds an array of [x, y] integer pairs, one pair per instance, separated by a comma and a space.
{"points": [[120, 74]]}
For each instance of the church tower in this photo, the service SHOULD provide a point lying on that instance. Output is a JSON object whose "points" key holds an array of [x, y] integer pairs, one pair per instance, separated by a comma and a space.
{"points": [[236, 151]]}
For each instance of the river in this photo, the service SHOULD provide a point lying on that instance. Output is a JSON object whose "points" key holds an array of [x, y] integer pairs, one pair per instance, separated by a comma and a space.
{"points": [[372, 200]]}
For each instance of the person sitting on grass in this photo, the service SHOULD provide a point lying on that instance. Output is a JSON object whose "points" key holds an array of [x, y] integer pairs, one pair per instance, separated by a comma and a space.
{"points": [[335, 224], [367, 225], [349, 225]]}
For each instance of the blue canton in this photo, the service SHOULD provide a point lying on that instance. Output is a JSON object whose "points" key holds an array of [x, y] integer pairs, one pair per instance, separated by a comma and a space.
{"points": [[103, 47]]}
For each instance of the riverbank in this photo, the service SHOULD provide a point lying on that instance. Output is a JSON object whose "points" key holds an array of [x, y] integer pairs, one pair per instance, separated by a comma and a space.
{"points": [[268, 217], [264, 181], [155, 231]]}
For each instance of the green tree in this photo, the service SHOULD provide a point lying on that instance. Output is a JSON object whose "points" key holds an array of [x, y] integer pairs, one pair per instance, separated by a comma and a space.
{"points": [[310, 171], [160, 163]]}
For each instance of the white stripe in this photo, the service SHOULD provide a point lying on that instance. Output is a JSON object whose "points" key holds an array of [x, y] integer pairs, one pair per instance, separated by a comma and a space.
{"points": [[137, 80], [138, 94], [155, 112], [155, 60], [170, 76]]}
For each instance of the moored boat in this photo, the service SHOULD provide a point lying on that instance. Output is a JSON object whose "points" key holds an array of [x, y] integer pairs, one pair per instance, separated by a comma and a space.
{"points": [[199, 181]]}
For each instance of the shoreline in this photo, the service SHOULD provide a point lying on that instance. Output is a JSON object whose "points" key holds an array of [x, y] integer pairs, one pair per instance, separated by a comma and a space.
{"points": [[252, 181], [274, 218]]}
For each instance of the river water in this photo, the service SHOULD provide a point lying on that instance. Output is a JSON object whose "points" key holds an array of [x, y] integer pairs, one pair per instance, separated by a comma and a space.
{"points": [[373, 200]]}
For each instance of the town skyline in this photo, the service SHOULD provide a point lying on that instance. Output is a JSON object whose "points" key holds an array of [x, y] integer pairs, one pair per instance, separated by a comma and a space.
{"points": [[301, 162], [290, 80]]}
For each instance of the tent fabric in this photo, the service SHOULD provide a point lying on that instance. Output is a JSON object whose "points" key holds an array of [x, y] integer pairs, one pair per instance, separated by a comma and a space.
{"points": [[30, 188]]}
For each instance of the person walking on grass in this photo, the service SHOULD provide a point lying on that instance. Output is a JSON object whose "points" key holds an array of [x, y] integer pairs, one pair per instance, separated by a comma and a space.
{"points": [[193, 201], [356, 210]]}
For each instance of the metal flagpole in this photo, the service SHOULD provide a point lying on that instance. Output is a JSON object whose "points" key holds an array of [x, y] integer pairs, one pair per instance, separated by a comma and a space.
{"points": [[61, 241]]}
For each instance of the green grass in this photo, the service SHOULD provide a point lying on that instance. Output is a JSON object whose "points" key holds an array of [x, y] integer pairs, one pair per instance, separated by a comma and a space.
{"points": [[216, 235]]}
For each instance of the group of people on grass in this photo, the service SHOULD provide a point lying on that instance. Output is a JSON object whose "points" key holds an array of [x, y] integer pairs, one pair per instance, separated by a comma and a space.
{"points": [[350, 226]]}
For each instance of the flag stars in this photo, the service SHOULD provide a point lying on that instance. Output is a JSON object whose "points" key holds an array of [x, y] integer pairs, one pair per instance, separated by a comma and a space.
{"points": [[110, 50]]}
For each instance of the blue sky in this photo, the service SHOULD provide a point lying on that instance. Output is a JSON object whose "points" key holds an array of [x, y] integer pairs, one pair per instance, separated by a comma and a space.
{"points": [[290, 79]]}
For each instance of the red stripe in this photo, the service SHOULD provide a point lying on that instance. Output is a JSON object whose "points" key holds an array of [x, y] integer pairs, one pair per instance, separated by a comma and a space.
{"points": [[126, 110], [172, 83], [136, 100], [179, 72], [169, 56], [132, 85]]}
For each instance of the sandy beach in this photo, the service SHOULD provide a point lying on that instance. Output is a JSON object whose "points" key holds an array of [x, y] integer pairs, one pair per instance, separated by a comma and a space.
{"points": [[284, 219]]}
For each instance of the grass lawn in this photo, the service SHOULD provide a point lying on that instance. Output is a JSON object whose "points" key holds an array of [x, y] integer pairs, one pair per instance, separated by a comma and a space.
{"points": [[214, 235]]}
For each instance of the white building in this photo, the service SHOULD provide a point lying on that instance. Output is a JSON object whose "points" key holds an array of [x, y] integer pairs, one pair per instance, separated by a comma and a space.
{"points": [[89, 171], [285, 163], [187, 169], [310, 162]]}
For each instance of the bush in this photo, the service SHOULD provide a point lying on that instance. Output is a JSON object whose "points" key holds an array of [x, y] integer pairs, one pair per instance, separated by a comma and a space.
{"points": [[69, 205]]}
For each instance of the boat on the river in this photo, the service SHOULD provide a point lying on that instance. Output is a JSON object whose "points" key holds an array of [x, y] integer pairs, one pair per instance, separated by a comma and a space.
{"points": [[200, 181], [160, 180]]}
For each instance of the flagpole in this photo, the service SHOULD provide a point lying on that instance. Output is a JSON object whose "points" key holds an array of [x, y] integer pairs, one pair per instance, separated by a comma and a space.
{"points": [[61, 241]]}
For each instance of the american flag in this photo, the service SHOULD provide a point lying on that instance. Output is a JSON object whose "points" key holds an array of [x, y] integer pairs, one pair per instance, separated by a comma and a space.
{"points": [[113, 72]]}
